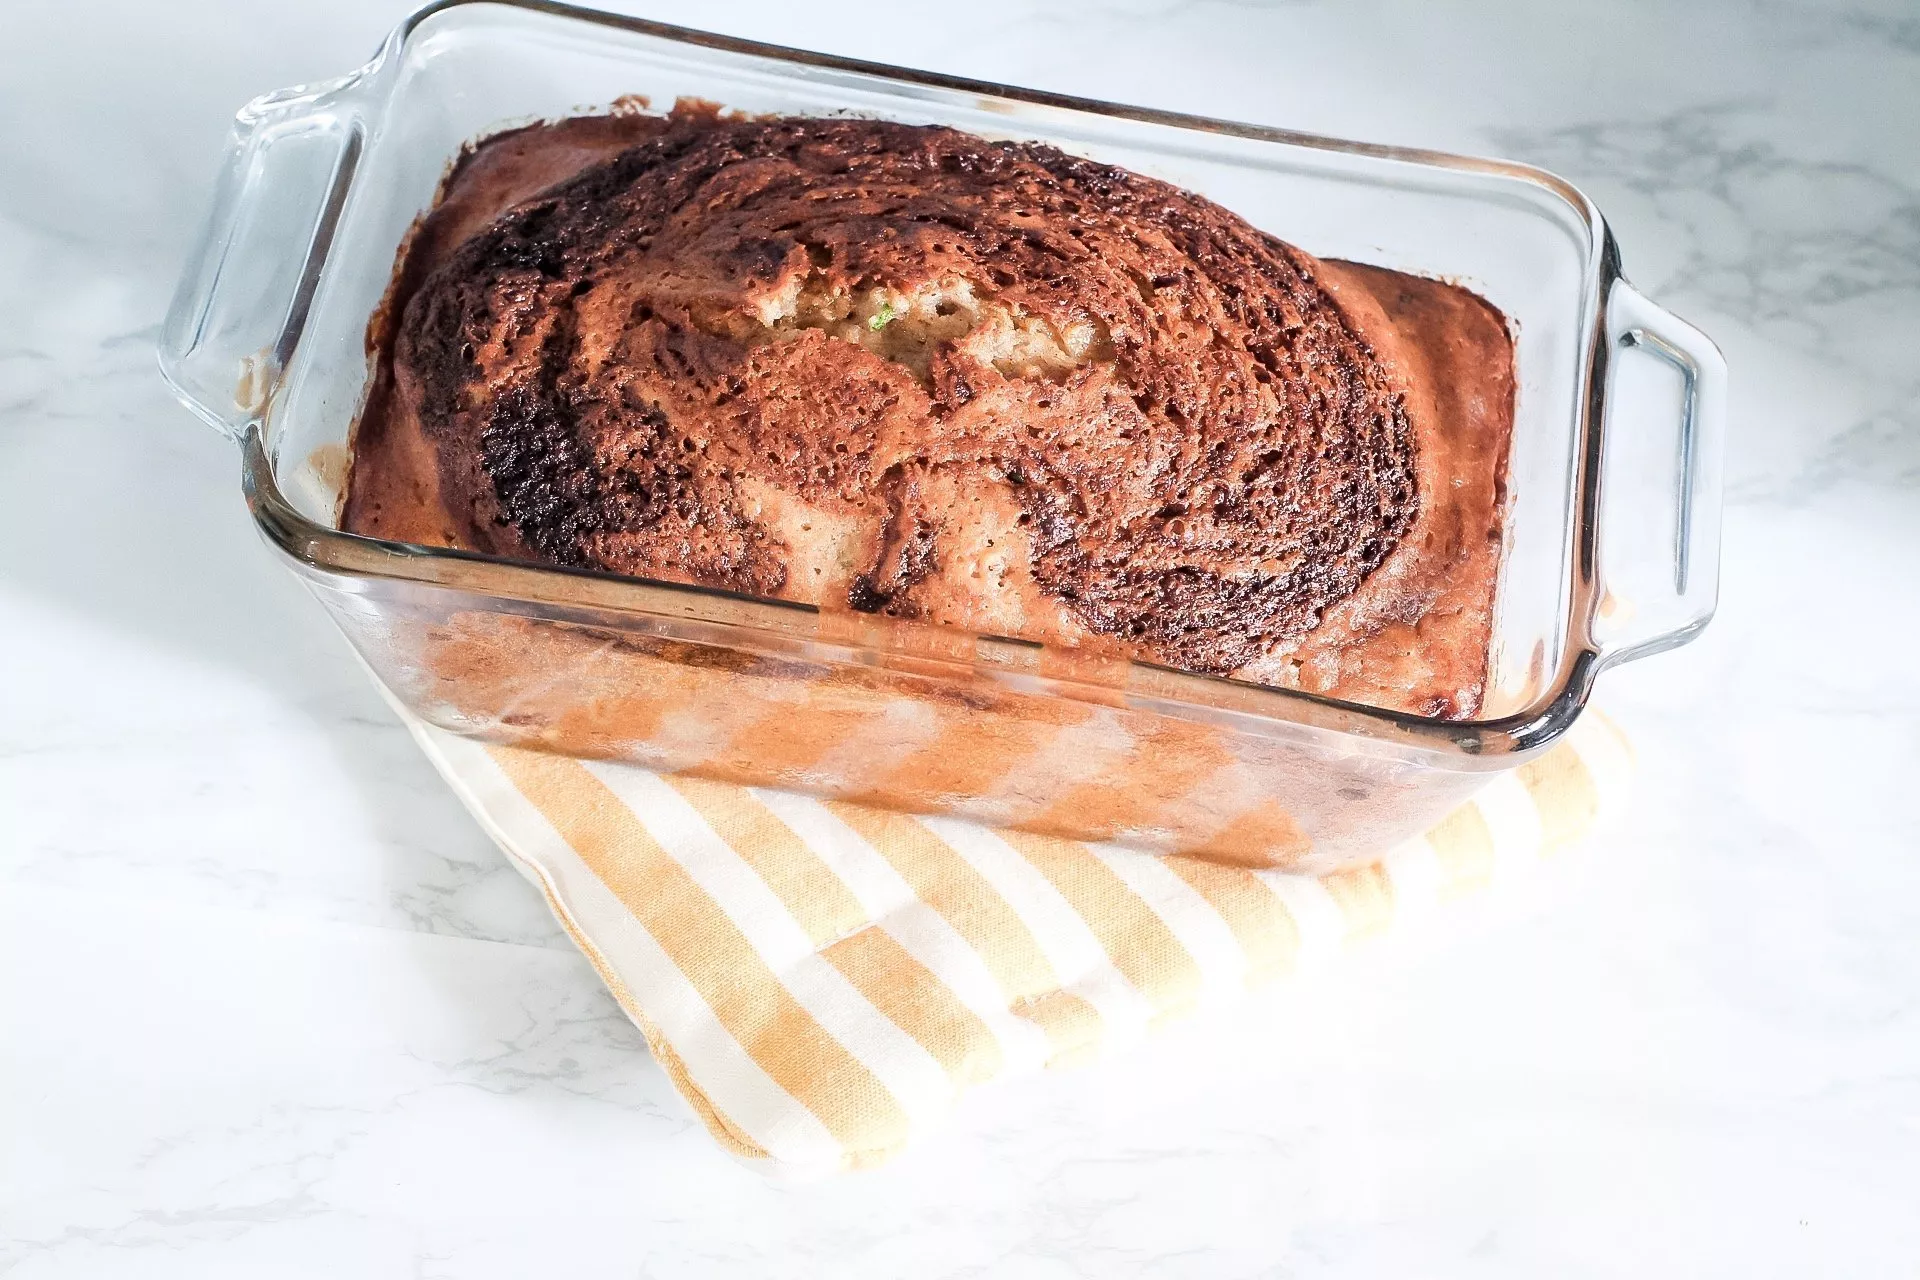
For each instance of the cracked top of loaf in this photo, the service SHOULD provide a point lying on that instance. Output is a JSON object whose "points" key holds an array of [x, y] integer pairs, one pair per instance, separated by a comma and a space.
{"points": [[985, 384]]}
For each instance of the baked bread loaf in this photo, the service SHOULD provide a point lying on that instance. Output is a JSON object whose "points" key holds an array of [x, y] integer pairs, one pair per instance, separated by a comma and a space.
{"points": [[988, 385]]}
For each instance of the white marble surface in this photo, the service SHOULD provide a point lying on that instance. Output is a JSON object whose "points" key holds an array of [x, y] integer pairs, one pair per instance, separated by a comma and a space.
{"points": [[274, 1007]]}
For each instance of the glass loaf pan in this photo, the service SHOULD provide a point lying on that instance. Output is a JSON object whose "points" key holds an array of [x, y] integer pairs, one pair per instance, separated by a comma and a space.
{"points": [[1612, 532]]}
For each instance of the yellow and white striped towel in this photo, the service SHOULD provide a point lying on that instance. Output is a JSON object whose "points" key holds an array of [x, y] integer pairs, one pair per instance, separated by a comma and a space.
{"points": [[822, 981]]}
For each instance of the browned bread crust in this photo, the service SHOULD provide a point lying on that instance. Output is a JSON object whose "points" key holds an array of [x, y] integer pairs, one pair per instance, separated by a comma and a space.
{"points": [[912, 371]]}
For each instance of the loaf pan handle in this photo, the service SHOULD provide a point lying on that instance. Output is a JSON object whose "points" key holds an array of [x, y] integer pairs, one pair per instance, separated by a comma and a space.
{"points": [[1663, 453], [243, 297]]}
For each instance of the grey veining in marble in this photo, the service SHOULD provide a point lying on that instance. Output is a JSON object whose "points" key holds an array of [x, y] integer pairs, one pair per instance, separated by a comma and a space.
{"points": [[274, 1006]]}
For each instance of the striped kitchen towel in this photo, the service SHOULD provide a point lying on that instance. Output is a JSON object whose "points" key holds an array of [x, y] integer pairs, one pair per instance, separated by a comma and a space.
{"points": [[822, 980]]}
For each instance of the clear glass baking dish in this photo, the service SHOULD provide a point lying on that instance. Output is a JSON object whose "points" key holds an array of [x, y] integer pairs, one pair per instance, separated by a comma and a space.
{"points": [[1614, 477]]}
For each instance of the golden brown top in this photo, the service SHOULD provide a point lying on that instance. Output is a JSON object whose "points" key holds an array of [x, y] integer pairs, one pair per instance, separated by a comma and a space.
{"points": [[911, 371]]}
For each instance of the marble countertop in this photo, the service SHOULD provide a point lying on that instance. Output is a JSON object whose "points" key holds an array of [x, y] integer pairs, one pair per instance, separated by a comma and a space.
{"points": [[273, 1006]]}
